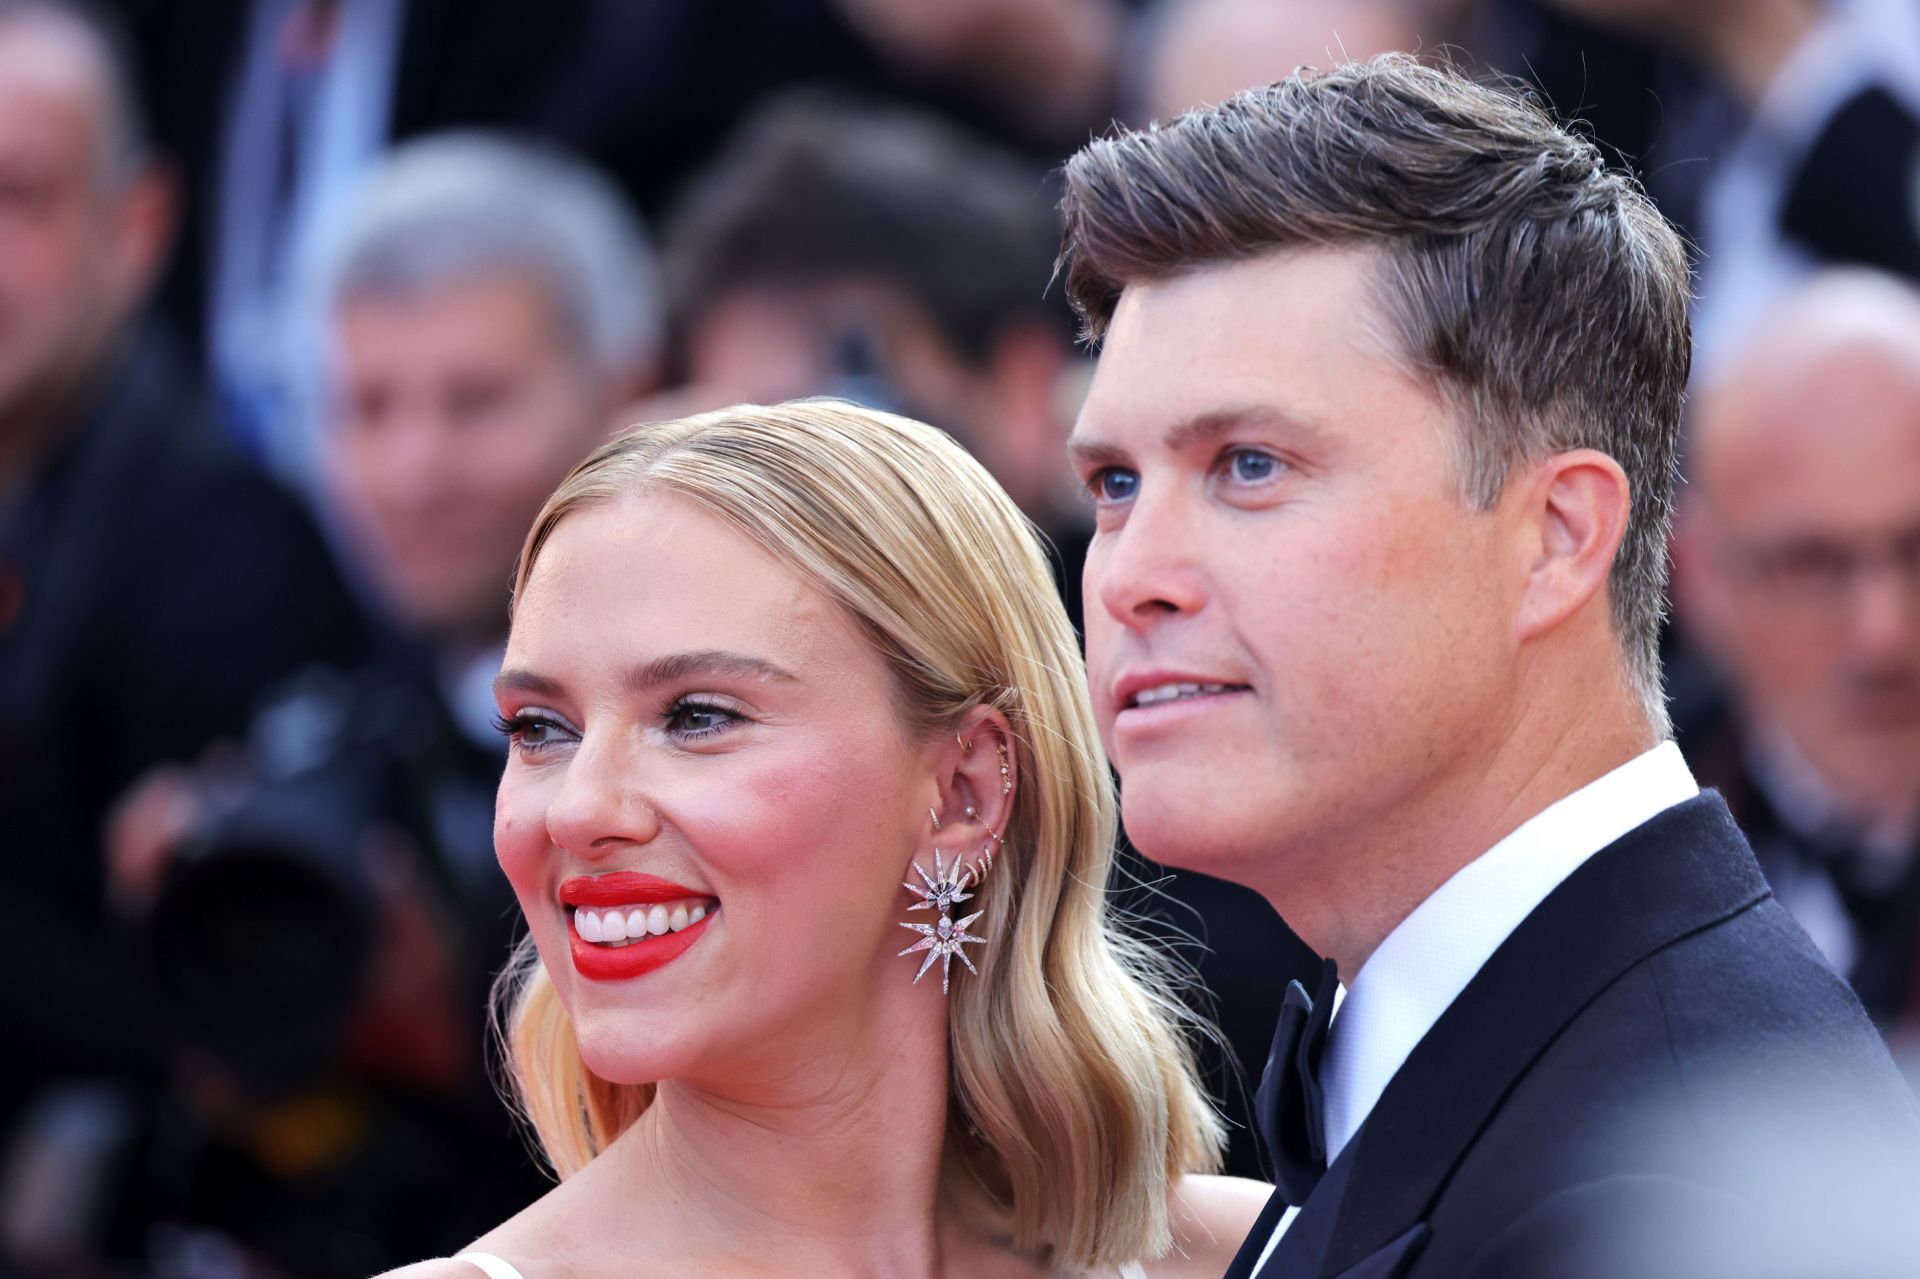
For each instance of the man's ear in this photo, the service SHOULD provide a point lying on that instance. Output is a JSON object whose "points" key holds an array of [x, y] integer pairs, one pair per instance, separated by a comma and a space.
{"points": [[144, 218], [977, 776], [1576, 508]]}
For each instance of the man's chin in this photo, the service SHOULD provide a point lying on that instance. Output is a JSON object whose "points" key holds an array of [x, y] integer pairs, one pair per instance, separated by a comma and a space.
{"points": [[1190, 828]]}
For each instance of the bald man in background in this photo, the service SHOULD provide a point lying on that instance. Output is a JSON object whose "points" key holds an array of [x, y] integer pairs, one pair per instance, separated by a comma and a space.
{"points": [[1797, 574]]}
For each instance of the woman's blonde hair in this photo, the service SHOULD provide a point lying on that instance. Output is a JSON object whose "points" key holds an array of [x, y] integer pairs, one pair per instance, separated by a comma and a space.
{"points": [[1074, 1100]]}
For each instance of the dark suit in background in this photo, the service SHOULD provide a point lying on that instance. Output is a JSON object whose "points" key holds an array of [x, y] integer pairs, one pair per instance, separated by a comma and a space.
{"points": [[155, 584]]}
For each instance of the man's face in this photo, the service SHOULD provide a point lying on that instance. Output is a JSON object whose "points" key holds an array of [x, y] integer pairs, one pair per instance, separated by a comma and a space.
{"points": [[63, 266], [1279, 524], [459, 409], [1799, 567]]}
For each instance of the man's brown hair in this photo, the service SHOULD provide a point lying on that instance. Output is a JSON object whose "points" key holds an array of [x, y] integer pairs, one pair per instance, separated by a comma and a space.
{"points": [[1541, 295]]}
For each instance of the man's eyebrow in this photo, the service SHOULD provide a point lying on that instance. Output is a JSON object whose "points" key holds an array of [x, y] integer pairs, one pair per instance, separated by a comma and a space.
{"points": [[705, 661], [1201, 428], [1204, 428], [1091, 453]]}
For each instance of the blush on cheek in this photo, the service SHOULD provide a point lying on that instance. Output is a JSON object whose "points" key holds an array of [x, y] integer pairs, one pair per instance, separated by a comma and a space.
{"points": [[519, 841]]}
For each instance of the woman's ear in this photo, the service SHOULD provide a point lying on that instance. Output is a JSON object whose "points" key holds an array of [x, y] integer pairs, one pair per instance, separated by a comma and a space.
{"points": [[977, 775]]}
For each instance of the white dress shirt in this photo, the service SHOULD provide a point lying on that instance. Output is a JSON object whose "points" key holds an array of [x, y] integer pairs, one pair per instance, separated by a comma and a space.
{"points": [[1423, 964]]}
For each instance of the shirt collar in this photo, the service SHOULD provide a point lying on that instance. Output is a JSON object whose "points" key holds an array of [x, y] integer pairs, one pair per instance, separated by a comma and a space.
{"points": [[1422, 966]]}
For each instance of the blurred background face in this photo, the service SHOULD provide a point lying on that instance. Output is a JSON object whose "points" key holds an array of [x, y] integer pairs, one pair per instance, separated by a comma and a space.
{"points": [[1278, 523], [459, 409], [738, 741], [69, 262], [1799, 568], [1204, 51]]}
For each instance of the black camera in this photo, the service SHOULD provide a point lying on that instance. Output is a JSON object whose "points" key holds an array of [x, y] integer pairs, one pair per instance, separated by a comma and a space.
{"points": [[257, 948]]}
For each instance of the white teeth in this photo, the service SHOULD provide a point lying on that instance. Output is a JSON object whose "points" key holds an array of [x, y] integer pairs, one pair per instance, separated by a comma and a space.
{"points": [[1174, 692], [616, 924]]}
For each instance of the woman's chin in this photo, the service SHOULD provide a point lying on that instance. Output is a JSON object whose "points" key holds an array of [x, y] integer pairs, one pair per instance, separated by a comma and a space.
{"points": [[620, 1052]]}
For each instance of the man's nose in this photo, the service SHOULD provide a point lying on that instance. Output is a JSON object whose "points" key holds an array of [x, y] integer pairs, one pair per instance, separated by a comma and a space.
{"points": [[1883, 607], [418, 450], [1152, 566]]}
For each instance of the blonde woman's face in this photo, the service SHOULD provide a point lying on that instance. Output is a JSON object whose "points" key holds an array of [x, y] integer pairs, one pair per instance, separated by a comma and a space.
{"points": [[704, 751]]}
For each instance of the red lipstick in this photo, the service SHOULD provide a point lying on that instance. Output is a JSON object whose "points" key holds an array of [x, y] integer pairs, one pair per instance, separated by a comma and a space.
{"points": [[623, 888], [599, 962]]}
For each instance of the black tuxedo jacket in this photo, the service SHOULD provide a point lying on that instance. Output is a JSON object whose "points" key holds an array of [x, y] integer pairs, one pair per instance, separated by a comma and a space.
{"points": [[1605, 1096]]}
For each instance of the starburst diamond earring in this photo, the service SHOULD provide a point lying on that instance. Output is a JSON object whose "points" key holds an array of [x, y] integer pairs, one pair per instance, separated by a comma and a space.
{"points": [[944, 889], [942, 941]]}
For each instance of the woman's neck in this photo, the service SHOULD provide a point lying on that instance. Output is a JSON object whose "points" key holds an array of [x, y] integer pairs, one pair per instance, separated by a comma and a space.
{"points": [[829, 1163]]}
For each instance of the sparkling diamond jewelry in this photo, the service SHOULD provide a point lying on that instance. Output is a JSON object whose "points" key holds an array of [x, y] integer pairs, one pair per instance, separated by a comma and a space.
{"points": [[943, 941], [944, 888]]}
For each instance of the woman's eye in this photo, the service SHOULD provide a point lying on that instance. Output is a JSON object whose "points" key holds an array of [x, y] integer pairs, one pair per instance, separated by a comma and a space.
{"points": [[1113, 484], [1251, 466], [699, 719], [529, 732]]}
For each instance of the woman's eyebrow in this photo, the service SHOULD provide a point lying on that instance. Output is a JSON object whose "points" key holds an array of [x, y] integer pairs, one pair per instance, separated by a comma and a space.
{"points": [[516, 680], [706, 661], [661, 670]]}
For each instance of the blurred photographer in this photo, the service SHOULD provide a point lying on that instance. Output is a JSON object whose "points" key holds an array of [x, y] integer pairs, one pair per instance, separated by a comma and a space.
{"points": [[320, 920], [1797, 572], [152, 582]]}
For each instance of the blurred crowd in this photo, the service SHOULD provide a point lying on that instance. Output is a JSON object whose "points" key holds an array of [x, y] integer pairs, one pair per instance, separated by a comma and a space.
{"points": [[306, 305]]}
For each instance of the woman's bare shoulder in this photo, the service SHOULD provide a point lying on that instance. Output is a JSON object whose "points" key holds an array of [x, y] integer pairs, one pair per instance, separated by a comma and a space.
{"points": [[438, 1268], [1211, 1216]]}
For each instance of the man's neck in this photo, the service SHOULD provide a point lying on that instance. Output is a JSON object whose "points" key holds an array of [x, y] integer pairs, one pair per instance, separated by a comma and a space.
{"points": [[35, 424], [1365, 881]]}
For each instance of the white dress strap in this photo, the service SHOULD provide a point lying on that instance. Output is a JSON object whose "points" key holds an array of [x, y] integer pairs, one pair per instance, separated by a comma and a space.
{"points": [[495, 1267], [1133, 1270]]}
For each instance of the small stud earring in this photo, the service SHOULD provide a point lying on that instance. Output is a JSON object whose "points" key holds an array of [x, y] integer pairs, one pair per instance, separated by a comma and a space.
{"points": [[972, 812]]}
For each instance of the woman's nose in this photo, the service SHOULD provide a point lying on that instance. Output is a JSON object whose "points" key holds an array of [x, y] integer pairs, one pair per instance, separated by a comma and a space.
{"points": [[601, 805]]}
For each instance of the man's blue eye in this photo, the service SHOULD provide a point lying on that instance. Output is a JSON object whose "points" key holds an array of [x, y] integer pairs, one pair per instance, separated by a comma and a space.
{"points": [[1114, 484], [1252, 467]]}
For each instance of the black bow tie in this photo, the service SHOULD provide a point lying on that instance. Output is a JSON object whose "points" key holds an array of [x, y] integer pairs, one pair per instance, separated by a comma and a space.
{"points": [[1291, 1105]]}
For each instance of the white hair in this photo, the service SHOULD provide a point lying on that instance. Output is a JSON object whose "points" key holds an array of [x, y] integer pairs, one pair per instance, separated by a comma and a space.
{"points": [[449, 207]]}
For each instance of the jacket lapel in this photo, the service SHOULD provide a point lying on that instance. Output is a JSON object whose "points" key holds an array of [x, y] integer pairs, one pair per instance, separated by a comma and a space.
{"points": [[1256, 1240], [1683, 871]]}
